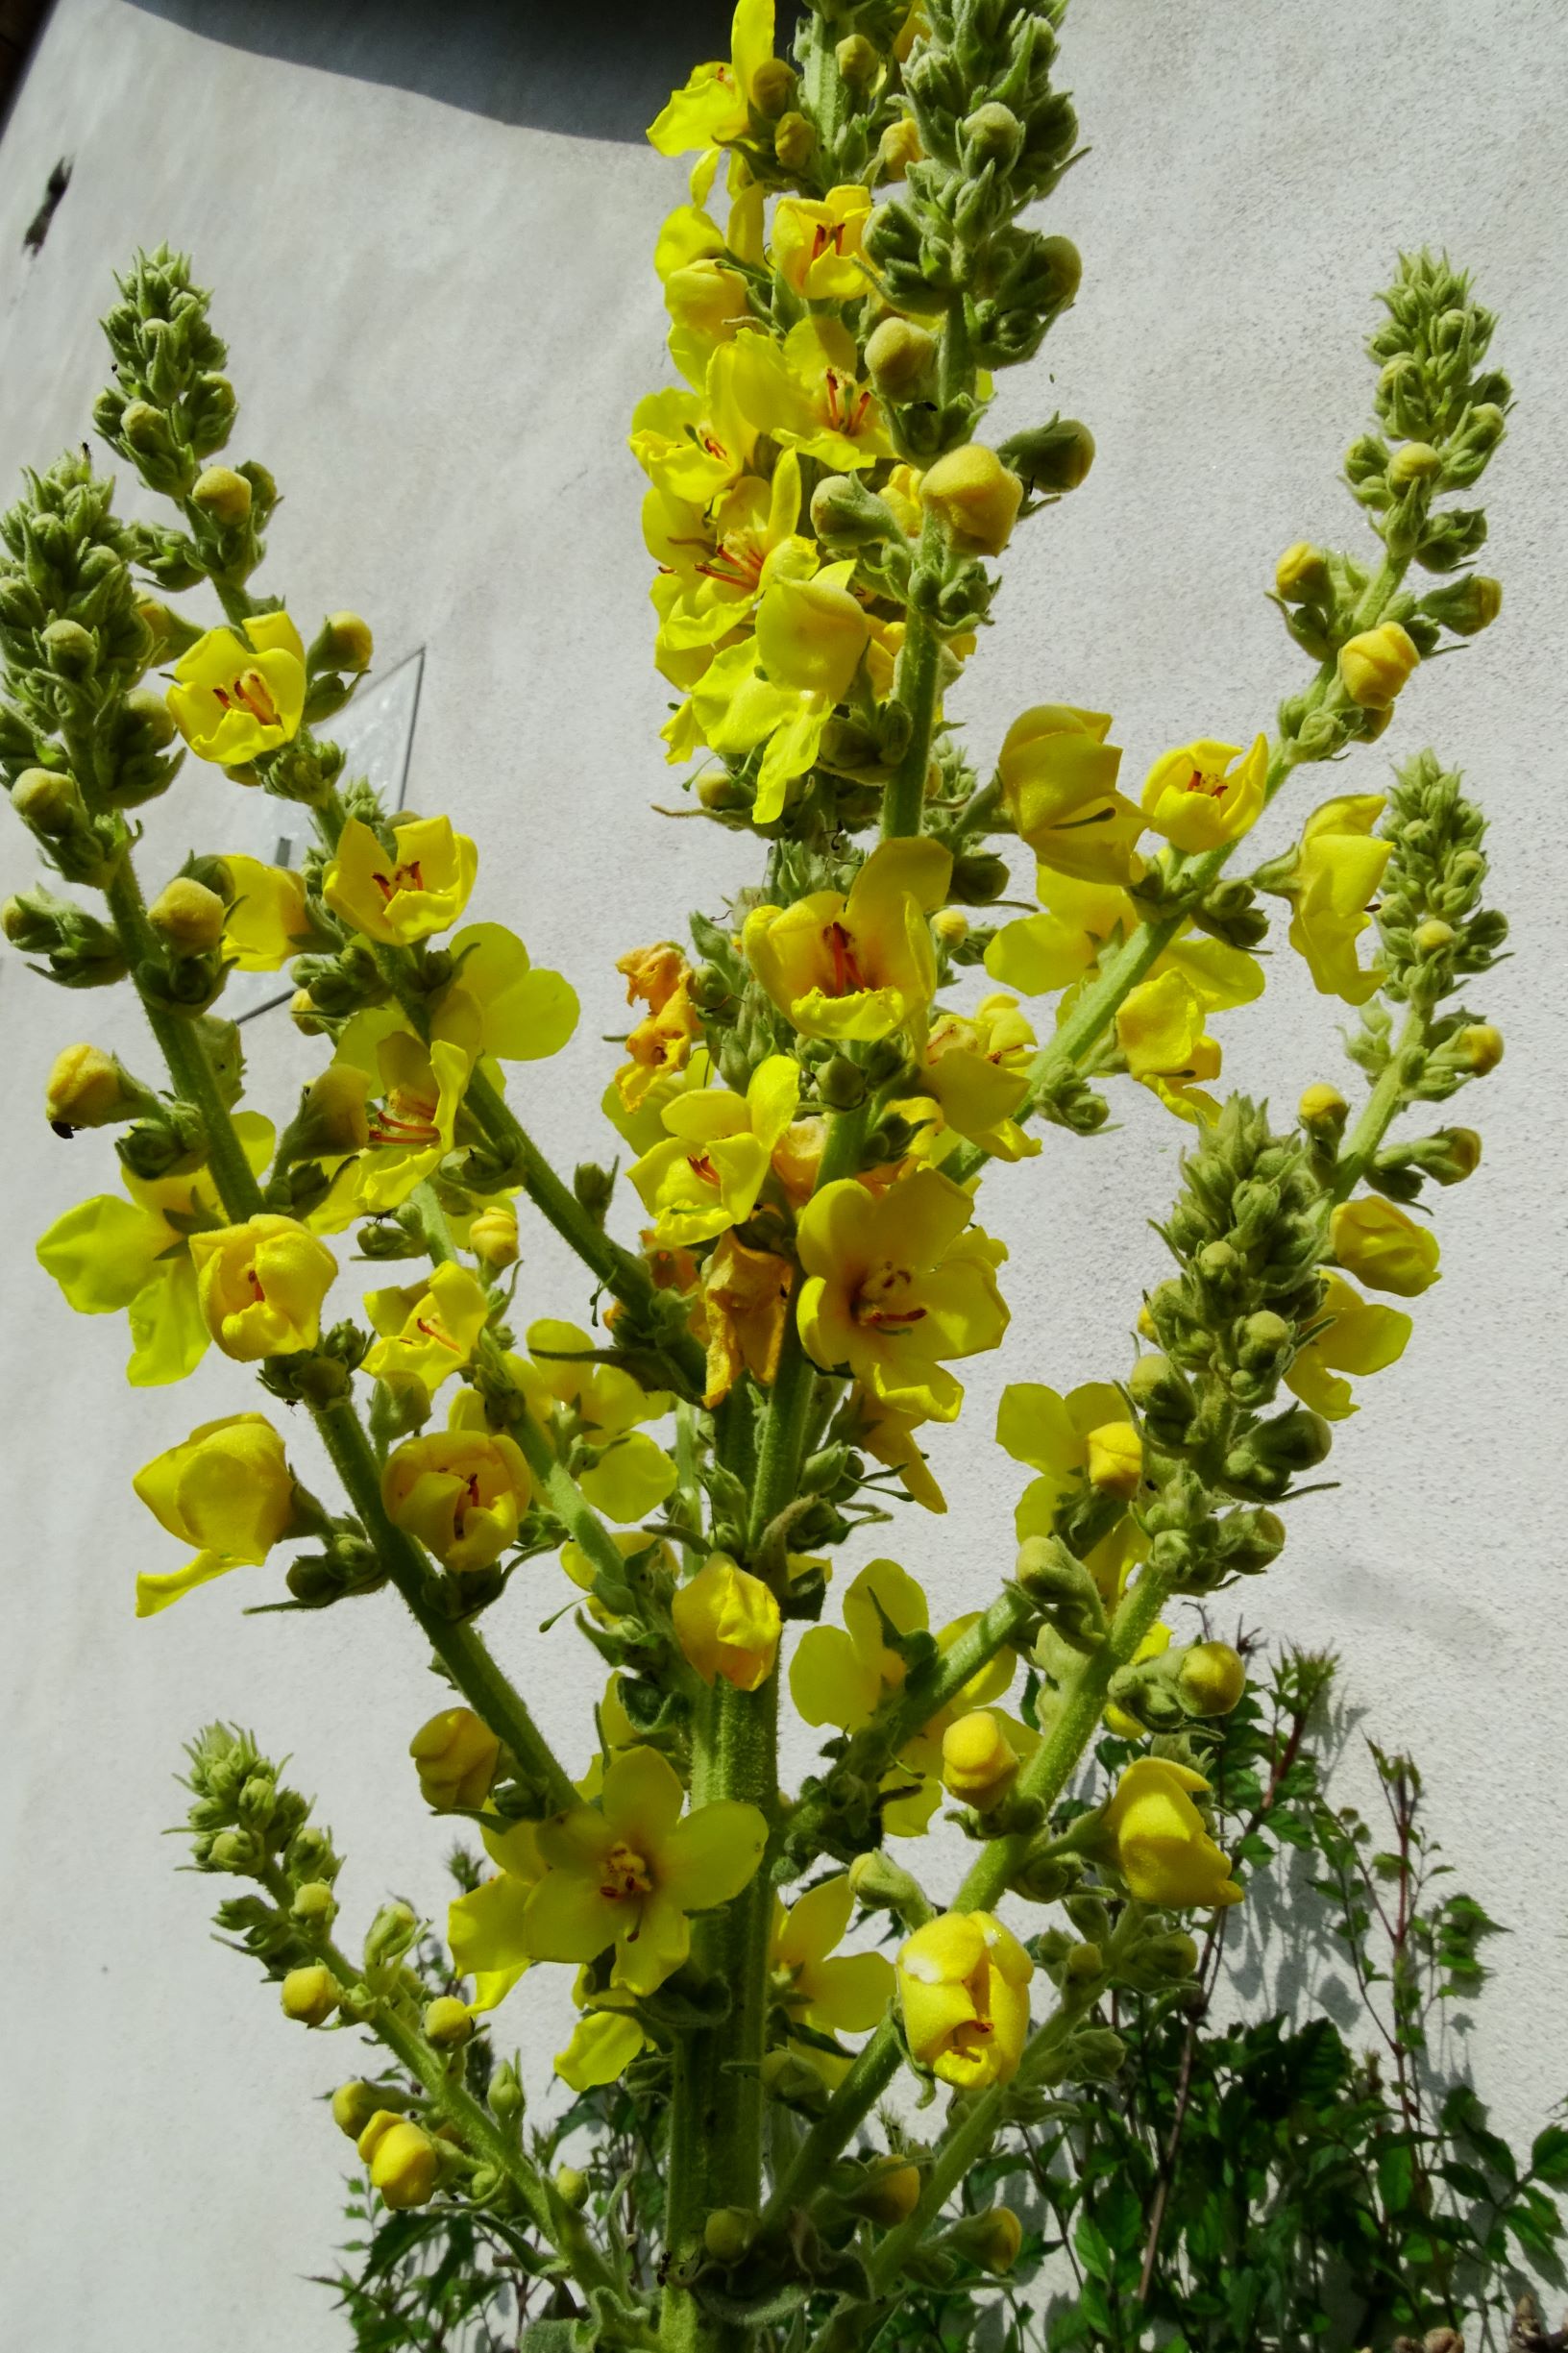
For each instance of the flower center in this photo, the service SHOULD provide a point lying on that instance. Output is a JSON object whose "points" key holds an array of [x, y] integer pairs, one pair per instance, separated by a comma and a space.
{"points": [[436, 1333], [1207, 781], [701, 1166], [840, 951], [884, 1303], [248, 693], [828, 240], [402, 878], [405, 1119], [844, 415], [624, 1873]]}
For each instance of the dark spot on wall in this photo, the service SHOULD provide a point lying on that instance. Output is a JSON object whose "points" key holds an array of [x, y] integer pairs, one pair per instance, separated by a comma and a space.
{"points": [[38, 228]]}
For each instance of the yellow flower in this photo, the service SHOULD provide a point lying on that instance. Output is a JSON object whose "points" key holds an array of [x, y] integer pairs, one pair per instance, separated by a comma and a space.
{"points": [[461, 1492], [260, 1286], [498, 1002], [602, 2047], [859, 966], [840, 1674], [895, 1283], [1116, 1458], [1059, 777], [715, 105], [974, 498], [267, 922], [659, 1047], [977, 1074], [1198, 799], [109, 1253], [1382, 1247], [707, 1175], [726, 1622], [428, 1330], [413, 1127], [1357, 1337], [1078, 920], [1051, 1434], [484, 1928], [844, 1995], [1331, 884], [623, 1874], [889, 1434], [455, 1755], [963, 1988], [234, 698], [1161, 1029], [403, 894], [779, 687], [806, 393], [696, 445], [817, 243], [228, 1490], [746, 1305], [719, 552], [1162, 1847], [1374, 666], [599, 1408]]}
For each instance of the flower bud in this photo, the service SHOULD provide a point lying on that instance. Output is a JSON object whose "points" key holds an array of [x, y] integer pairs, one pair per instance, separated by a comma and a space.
{"points": [[301, 1012], [978, 1761], [992, 134], [456, 1756], [1323, 1112], [1452, 1155], [506, 2101], [1051, 459], [332, 1117], [87, 1087], [951, 926], [1302, 574], [572, 2187], [1116, 1458], [188, 915], [900, 147], [48, 801], [448, 2022], [1466, 607], [1414, 461], [405, 2165], [71, 650], [841, 1083], [974, 499], [345, 643], [1374, 666], [493, 1236], [993, 2239], [1211, 1679], [390, 1934], [729, 2230], [355, 2103], [309, 1995], [857, 61], [887, 2194], [376, 2128], [882, 1885], [222, 493], [773, 87], [899, 358], [794, 141], [315, 1905], [1479, 1047]]}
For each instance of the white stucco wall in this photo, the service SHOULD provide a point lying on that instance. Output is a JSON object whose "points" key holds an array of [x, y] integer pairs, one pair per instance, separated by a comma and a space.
{"points": [[439, 319]]}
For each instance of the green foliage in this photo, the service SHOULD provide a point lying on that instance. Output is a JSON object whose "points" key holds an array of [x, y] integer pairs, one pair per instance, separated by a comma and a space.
{"points": [[1248, 2185]]}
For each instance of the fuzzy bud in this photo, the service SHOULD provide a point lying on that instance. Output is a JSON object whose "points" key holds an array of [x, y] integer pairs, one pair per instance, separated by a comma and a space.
{"points": [[1479, 1047], [899, 358], [974, 499], [188, 917], [493, 1237], [1374, 666], [1211, 1679], [1323, 1112], [978, 1762], [309, 1995], [1302, 574], [794, 141], [222, 493], [405, 2165], [48, 801], [448, 2023], [87, 1087]]}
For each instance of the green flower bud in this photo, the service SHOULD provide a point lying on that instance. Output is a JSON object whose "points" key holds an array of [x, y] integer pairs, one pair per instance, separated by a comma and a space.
{"points": [[449, 2023], [389, 1935], [314, 1906], [773, 85], [223, 494], [1052, 458], [794, 141], [840, 1084], [992, 134], [899, 358], [48, 801], [1211, 1679], [1467, 606], [729, 2230], [857, 61], [1414, 461]]}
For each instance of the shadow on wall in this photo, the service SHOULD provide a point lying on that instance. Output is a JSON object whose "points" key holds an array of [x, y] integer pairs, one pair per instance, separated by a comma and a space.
{"points": [[597, 70]]}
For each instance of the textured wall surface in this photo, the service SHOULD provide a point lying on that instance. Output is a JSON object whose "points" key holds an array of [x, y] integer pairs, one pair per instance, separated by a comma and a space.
{"points": [[431, 249]]}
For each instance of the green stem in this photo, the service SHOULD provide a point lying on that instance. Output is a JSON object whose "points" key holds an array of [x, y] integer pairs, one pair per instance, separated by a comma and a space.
{"points": [[184, 1053], [484, 2136], [458, 1645], [1384, 1105], [1045, 1777], [914, 691]]}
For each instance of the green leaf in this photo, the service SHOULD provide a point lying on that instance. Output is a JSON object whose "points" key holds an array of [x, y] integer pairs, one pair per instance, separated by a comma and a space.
{"points": [[1549, 2156]]}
